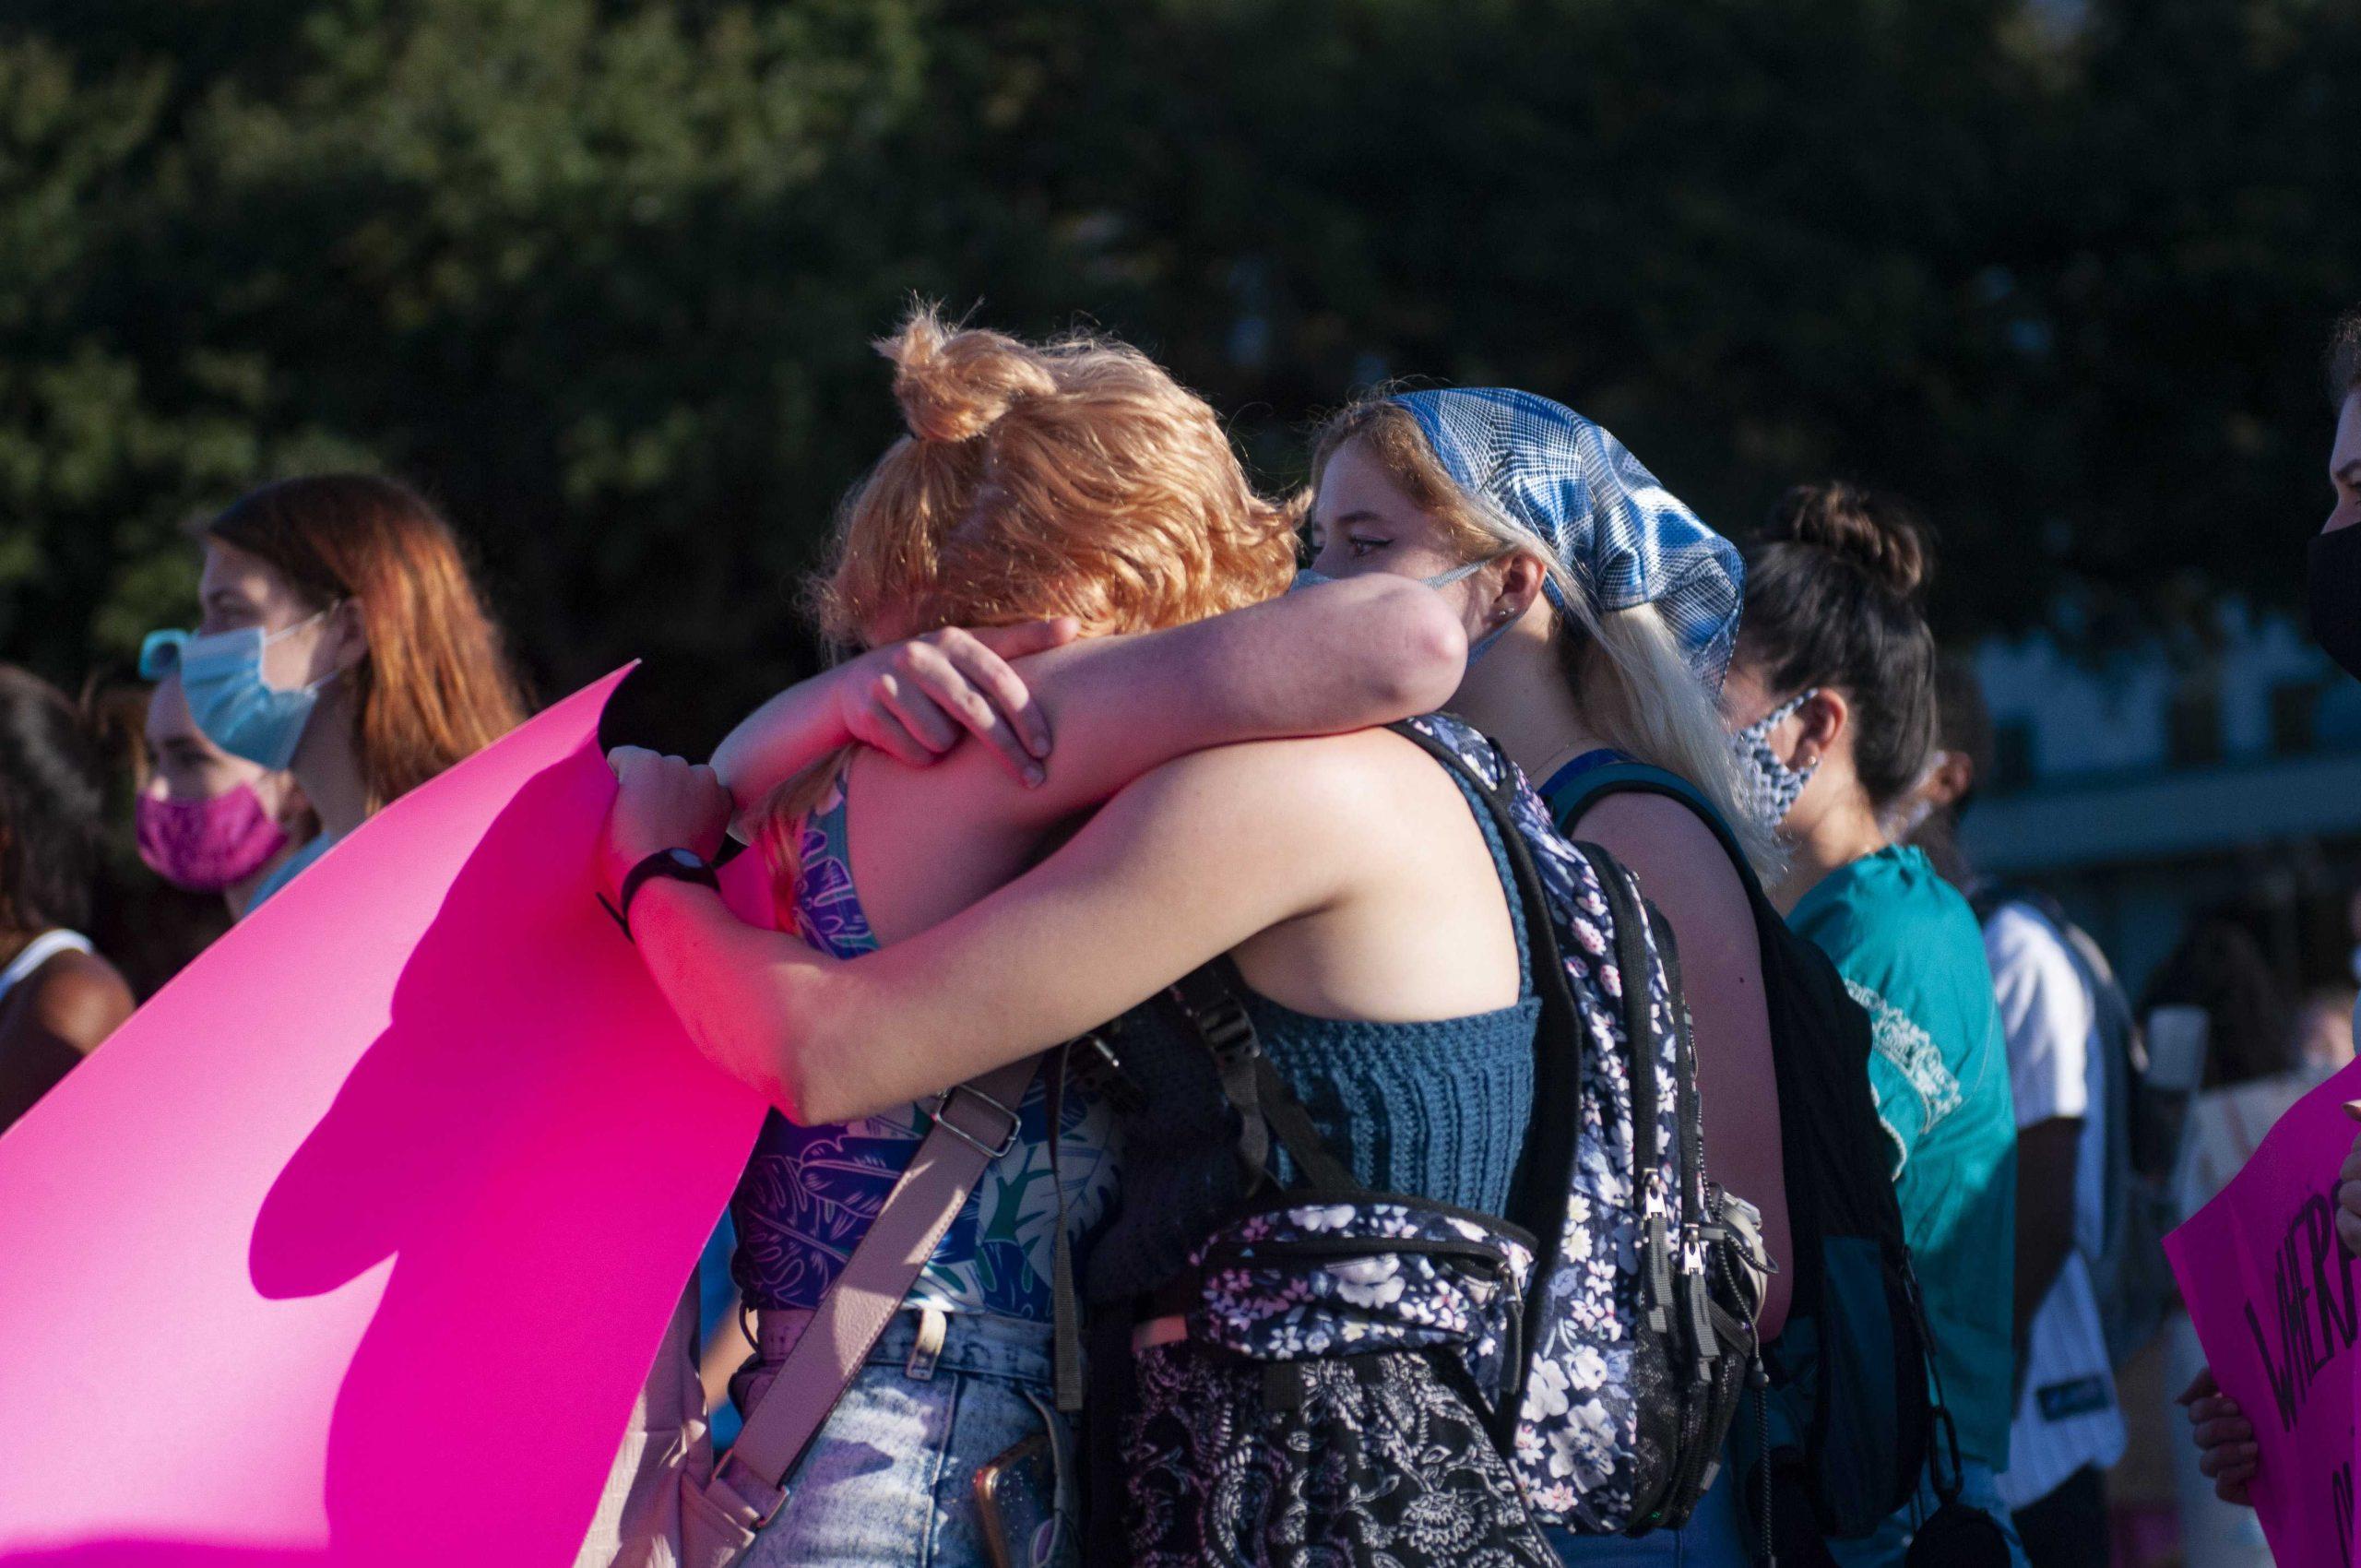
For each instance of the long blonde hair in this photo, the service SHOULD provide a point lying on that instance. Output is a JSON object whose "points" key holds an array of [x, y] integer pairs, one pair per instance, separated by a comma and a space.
{"points": [[1074, 476], [1623, 667]]}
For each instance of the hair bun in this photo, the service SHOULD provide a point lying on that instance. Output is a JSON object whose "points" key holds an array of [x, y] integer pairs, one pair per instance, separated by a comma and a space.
{"points": [[1878, 535], [953, 384]]}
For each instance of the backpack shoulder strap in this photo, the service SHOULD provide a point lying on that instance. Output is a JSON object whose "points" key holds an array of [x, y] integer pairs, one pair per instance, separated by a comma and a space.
{"points": [[1545, 1173], [1641, 778], [2117, 1022], [973, 1123], [1635, 926], [1208, 998]]}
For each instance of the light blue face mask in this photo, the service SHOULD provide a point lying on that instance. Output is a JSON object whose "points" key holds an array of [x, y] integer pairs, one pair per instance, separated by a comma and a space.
{"points": [[1307, 577], [221, 676]]}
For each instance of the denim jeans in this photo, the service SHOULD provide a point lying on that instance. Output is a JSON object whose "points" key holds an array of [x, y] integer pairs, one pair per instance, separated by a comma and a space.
{"points": [[1713, 1537], [1887, 1545], [889, 1481]]}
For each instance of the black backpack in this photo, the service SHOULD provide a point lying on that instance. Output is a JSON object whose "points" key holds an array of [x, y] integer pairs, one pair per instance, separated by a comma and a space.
{"points": [[1849, 1415]]}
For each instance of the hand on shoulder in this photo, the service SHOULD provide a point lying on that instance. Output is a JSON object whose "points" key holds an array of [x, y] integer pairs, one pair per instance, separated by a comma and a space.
{"points": [[915, 700]]}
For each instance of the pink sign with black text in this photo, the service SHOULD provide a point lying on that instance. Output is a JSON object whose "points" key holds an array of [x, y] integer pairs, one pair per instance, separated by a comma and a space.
{"points": [[2272, 1293]]}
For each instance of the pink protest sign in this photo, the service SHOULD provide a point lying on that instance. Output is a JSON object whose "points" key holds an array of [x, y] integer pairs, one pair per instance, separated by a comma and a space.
{"points": [[2272, 1293], [352, 1246]]}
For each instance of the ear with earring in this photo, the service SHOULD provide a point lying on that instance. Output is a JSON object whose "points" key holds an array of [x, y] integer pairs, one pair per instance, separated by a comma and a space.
{"points": [[1498, 619]]}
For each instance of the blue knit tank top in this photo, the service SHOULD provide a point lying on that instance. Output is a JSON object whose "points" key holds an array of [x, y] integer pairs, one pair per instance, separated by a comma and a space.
{"points": [[1437, 1110]]}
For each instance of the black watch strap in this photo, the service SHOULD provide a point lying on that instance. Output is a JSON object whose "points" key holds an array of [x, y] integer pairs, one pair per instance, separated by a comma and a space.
{"points": [[674, 866]]}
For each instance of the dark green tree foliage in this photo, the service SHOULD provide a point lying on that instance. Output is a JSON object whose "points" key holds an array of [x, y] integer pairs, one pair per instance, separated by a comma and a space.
{"points": [[601, 275]]}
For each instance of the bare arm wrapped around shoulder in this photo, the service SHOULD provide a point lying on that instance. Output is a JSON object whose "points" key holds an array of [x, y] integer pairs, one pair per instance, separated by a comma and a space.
{"points": [[1194, 859], [1097, 712]]}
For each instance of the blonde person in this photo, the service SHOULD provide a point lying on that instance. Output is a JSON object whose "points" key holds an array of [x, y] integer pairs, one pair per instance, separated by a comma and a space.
{"points": [[1600, 612], [1043, 491]]}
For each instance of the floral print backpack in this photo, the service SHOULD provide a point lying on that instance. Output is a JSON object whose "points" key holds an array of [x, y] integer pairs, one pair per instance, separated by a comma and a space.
{"points": [[1407, 1383]]}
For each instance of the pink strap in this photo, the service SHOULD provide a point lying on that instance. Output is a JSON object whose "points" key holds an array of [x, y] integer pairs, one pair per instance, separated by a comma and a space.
{"points": [[974, 1125]]}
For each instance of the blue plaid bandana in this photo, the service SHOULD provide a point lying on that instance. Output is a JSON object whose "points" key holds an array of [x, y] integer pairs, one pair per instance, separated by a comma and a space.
{"points": [[1625, 538]]}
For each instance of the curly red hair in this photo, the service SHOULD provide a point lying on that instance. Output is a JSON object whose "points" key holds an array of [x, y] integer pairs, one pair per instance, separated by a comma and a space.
{"points": [[1074, 476]]}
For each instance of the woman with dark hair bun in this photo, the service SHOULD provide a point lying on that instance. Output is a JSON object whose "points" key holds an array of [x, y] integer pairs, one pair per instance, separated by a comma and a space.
{"points": [[59, 998], [1832, 694]]}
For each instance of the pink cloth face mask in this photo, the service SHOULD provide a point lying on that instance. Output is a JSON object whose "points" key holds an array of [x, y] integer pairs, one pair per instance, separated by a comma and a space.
{"points": [[210, 844]]}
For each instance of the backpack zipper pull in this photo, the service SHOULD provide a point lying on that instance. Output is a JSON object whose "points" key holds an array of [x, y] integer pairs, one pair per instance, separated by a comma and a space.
{"points": [[1659, 1253], [1701, 1318]]}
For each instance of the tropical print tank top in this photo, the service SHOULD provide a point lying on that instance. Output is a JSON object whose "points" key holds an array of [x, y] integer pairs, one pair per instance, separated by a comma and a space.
{"points": [[808, 1194]]}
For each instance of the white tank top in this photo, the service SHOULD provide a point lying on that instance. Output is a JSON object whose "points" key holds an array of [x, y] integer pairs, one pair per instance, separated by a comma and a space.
{"points": [[40, 951]]}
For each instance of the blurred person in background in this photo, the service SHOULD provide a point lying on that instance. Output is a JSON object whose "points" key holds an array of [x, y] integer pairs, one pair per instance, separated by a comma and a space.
{"points": [[209, 822], [2070, 1041], [2324, 1030], [1832, 698], [59, 998], [2252, 1076], [342, 641], [2220, 1431], [147, 927]]}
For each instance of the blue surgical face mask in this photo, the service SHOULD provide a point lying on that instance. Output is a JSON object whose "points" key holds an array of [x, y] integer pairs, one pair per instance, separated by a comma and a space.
{"points": [[221, 676], [1308, 577], [1772, 785]]}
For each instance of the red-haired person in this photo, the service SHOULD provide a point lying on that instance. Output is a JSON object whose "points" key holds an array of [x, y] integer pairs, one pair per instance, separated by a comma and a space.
{"points": [[1042, 490], [342, 641]]}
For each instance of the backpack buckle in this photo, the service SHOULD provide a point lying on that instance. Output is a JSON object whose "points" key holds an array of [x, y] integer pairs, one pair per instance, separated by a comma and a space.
{"points": [[999, 1120], [1096, 1068], [758, 1503], [1228, 1031], [1223, 1025]]}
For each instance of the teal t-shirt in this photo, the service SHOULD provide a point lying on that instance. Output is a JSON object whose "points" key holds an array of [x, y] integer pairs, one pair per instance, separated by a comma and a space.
{"points": [[1911, 953]]}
